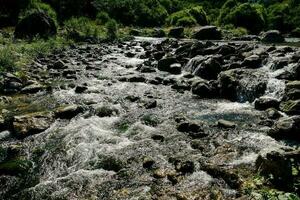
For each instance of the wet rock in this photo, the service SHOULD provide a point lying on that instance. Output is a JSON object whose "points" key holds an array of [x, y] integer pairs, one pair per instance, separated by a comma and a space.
{"points": [[272, 36], [241, 85], [2, 123], [185, 167], [177, 32], [208, 33], [263, 103], [165, 64], [273, 113], [286, 128], [280, 63], [208, 69], [9, 83], [160, 138], [158, 55], [225, 124], [29, 124], [35, 24], [252, 62], [147, 69], [150, 104], [106, 111], [231, 178], [175, 68], [226, 50], [33, 88], [181, 86], [148, 163], [68, 112], [58, 65], [80, 89], [291, 107], [136, 79], [194, 130], [277, 168], [204, 89]]}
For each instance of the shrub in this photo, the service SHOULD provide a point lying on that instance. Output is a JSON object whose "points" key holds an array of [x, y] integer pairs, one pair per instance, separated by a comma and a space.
{"points": [[102, 18], [111, 30], [8, 59], [188, 17], [81, 27], [249, 16]]}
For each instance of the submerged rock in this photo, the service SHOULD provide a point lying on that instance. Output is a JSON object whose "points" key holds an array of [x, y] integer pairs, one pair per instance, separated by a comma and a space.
{"points": [[194, 130], [225, 124]]}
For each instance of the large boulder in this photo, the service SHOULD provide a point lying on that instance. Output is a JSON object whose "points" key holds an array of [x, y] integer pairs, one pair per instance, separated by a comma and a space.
{"points": [[208, 33], [286, 128], [170, 65], [177, 32], [273, 36], [241, 84], [263, 103], [35, 24]]}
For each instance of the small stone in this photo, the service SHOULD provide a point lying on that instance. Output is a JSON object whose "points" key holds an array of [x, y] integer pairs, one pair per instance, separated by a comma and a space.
{"points": [[68, 112], [80, 89], [225, 124], [148, 163]]}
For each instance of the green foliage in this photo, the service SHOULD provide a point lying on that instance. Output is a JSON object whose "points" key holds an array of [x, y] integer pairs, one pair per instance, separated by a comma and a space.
{"points": [[102, 18], [8, 59], [82, 27], [247, 15], [111, 30], [38, 5], [188, 17]]}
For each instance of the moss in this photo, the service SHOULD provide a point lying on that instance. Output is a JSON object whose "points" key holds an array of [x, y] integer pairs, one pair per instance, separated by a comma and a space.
{"points": [[150, 120]]}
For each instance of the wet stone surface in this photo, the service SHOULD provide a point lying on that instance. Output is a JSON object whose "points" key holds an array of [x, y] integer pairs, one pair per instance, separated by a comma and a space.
{"points": [[121, 124]]}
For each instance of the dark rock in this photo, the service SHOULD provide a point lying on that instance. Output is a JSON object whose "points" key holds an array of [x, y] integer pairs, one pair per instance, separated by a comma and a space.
{"points": [[160, 138], [280, 63], [158, 55], [277, 167], [194, 130], [80, 89], [204, 89], [151, 104], [208, 69], [177, 32], [263, 103], [272, 113], [29, 124], [35, 24], [286, 128], [208, 33], [247, 38], [272, 36], [58, 65], [252, 62], [165, 64], [175, 68], [106, 111], [15, 167], [148, 163], [68, 112], [159, 33], [181, 85], [185, 167]]}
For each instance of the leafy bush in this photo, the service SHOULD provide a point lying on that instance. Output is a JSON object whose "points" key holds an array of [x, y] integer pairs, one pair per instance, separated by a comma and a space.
{"points": [[102, 18], [246, 15], [111, 30], [8, 59], [188, 17], [82, 27]]}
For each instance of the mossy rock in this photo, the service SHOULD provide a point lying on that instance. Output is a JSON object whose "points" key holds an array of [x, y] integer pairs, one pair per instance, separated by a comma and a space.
{"points": [[18, 166], [291, 107]]}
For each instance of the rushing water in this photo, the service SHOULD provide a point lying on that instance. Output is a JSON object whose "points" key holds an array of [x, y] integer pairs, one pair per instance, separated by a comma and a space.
{"points": [[91, 157]]}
